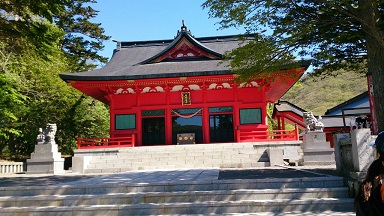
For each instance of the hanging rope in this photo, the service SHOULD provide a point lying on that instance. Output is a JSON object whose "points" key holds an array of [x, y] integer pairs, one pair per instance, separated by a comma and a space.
{"points": [[186, 116]]}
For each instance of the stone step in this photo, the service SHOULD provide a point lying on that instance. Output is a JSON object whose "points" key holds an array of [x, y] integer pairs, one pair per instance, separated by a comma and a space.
{"points": [[132, 158], [188, 163], [173, 197], [182, 154], [113, 185], [322, 213], [194, 156], [176, 159], [210, 207], [225, 155], [102, 168]]}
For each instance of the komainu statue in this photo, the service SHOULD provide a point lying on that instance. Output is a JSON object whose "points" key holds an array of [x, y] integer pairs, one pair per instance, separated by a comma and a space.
{"points": [[49, 133], [40, 137], [312, 124]]}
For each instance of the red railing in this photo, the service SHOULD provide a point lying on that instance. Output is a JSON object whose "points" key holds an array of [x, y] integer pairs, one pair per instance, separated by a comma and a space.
{"points": [[242, 135], [115, 142], [267, 135]]}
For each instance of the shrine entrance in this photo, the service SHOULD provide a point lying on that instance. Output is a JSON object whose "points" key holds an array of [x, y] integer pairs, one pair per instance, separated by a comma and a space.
{"points": [[221, 128], [153, 131], [187, 121]]}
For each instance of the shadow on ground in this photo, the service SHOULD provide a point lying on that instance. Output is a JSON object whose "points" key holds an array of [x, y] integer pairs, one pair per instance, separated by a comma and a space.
{"points": [[20, 180], [274, 173]]}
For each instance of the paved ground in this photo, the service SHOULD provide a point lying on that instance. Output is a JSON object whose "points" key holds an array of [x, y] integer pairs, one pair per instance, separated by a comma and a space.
{"points": [[12, 180]]}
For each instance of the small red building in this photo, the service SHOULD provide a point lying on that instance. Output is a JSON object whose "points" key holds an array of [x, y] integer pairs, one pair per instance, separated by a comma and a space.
{"points": [[157, 90]]}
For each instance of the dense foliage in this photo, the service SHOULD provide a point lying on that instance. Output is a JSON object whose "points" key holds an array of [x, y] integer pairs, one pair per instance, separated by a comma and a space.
{"points": [[32, 54], [335, 34]]}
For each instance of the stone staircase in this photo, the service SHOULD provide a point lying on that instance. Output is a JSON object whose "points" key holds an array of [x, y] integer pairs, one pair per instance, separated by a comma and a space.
{"points": [[226, 155], [324, 195]]}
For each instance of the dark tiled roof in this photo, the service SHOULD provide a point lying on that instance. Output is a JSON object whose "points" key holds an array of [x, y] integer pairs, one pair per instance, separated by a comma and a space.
{"points": [[125, 63], [285, 106], [335, 121], [328, 121], [191, 39], [345, 103]]}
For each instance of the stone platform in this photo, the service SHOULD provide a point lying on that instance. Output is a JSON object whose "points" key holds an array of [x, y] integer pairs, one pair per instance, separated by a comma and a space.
{"points": [[222, 155]]}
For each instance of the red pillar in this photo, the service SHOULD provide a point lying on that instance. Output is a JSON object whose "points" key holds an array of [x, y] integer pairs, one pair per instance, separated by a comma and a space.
{"points": [[278, 122], [168, 118], [235, 112], [139, 128], [283, 123], [168, 126], [205, 117]]}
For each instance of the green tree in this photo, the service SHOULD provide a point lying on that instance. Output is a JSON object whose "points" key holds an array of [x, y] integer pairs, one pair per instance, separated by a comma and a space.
{"points": [[33, 52], [335, 34], [83, 39], [27, 76], [10, 98], [85, 118], [28, 20]]}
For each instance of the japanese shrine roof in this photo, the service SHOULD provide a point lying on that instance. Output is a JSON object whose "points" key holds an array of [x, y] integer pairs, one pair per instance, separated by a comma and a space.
{"points": [[294, 115], [359, 101], [153, 59], [285, 106]]}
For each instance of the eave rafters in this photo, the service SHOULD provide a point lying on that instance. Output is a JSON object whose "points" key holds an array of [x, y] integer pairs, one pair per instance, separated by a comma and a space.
{"points": [[152, 82]]}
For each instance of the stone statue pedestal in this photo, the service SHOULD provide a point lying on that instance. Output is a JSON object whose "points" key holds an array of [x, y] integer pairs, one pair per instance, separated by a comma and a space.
{"points": [[46, 159], [316, 150]]}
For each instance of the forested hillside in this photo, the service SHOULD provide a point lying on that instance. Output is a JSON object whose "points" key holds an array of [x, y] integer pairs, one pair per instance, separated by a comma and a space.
{"points": [[316, 94]]}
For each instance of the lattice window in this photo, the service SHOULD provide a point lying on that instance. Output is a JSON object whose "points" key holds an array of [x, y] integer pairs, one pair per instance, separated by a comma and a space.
{"points": [[187, 111], [220, 109], [153, 113]]}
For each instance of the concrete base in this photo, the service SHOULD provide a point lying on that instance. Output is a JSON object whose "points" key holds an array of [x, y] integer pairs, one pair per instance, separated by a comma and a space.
{"points": [[48, 166], [45, 160], [275, 156], [315, 140], [362, 154], [358, 176], [80, 163], [316, 150]]}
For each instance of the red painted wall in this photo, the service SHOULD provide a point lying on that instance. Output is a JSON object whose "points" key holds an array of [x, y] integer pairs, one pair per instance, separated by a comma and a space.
{"points": [[252, 97]]}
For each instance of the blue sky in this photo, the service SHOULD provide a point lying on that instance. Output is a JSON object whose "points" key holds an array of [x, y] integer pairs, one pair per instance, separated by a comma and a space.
{"points": [[138, 20]]}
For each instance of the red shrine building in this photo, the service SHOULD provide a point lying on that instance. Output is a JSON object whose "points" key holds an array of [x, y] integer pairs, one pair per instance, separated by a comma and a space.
{"points": [[159, 90]]}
